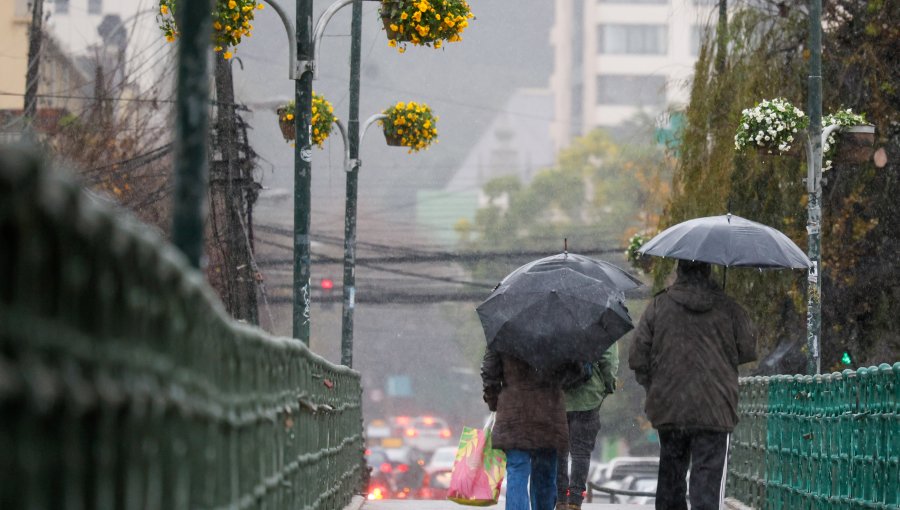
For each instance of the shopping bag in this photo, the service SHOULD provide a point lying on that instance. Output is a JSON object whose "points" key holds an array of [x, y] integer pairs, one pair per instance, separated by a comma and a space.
{"points": [[478, 470]]}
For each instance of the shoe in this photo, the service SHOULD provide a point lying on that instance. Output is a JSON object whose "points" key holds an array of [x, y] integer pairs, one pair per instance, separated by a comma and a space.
{"points": [[562, 506]]}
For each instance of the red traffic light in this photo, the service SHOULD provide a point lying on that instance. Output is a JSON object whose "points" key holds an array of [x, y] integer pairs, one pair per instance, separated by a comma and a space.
{"points": [[327, 284]]}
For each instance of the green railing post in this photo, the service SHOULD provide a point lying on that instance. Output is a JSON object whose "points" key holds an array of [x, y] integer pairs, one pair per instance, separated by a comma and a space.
{"points": [[192, 117]]}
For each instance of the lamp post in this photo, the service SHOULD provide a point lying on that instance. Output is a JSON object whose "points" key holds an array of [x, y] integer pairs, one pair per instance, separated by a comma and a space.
{"points": [[352, 141], [302, 54]]}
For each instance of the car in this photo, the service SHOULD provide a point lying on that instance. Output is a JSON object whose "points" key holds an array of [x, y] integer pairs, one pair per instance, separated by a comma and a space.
{"points": [[442, 458], [624, 473], [397, 472], [386, 433], [436, 484], [427, 434]]}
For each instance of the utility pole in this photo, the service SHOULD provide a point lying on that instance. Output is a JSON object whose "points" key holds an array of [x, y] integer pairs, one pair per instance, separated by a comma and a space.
{"points": [[352, 189], [35, 38], [302, 167], [230, 182], [814, 190], [192, 118]]}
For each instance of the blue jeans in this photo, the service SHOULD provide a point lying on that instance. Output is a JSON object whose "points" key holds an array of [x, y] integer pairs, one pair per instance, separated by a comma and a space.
{"points": [[540, 466]]}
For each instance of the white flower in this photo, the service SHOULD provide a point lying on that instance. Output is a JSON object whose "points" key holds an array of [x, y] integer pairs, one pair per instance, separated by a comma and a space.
{"points": [[798, 112]]}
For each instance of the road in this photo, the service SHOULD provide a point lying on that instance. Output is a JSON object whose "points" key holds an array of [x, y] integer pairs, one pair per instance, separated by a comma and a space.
{"points": [[394, 504]]}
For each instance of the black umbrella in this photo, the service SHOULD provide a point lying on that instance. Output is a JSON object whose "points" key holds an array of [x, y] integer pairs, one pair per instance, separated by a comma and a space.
{"points": [[608, 274], [728, 240], [547, 318]]}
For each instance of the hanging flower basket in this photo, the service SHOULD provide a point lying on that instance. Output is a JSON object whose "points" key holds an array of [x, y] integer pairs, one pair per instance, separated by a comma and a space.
{"points": [[393, 139], [286, 121], [855, 144], [322, 119], [638, 261], [411, 125], [424, 22], [231, 22], [771, 128]]}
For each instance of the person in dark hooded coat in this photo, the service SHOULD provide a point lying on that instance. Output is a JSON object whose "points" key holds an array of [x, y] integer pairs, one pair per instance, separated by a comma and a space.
{"points": [[685, 353]]}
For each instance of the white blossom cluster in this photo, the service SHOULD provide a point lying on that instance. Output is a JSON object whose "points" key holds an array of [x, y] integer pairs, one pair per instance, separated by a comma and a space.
{"points": [[771, 124]]}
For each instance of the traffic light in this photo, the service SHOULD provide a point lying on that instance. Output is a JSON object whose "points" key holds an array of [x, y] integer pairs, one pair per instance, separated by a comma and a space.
{"points": [[326, 286], [846, 359]]}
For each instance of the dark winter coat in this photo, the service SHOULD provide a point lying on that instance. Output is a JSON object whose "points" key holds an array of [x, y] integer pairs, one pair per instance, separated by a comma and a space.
{"points": [[531, 412], [686, 353]]}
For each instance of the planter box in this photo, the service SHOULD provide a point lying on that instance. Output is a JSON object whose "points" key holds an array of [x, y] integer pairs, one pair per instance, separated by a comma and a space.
{"points": [[393, 140], [854, 144]]}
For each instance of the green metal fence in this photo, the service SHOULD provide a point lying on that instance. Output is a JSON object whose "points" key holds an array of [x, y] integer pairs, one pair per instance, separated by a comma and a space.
{"points": [[123, 384], [819, 442]]}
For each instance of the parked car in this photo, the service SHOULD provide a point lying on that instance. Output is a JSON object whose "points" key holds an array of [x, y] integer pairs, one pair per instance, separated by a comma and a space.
{"points": [[624, 473], [427, 434]]}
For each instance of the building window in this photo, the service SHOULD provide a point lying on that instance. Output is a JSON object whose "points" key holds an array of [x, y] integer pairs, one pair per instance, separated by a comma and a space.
{"points": [[631, 90], [632, 39], [61, 6], [655, 2], [95, 6]]}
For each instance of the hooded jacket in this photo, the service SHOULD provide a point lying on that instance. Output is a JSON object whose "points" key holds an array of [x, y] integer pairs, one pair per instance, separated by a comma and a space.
{"points": [[531, 411], [686, 352]]}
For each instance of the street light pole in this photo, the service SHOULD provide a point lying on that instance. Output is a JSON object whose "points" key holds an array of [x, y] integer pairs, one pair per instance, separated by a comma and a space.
{"points": [[302, 167], [814, 190], [192, 116], [349, 287]]}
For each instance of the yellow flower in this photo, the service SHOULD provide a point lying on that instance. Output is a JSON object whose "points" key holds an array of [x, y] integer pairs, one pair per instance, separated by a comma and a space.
{"points": [[394, 27], [259, 6], [217, 49], [449, 22], [423, 6], [163, 9], [422, 30], [227, 55], [246, 8], [228, 28], [217, 25], [232, 4], [437, 44], [403, 15], [392, 43], [289, 116], [401, 49], [417, 17], [170, 38]]}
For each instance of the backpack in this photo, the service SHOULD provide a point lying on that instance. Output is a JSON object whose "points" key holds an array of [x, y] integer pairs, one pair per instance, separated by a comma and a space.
{"points": [[573, 374]]}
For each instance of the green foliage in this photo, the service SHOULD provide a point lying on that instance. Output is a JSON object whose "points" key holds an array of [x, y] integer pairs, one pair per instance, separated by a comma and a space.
{"points": [[596, 196]]}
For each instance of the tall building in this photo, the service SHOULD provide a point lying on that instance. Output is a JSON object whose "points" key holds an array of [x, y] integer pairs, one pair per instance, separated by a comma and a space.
{"points": [[614, 59]]}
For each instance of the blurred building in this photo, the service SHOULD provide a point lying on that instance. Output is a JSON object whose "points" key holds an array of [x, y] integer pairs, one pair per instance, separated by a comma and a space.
{"points": [[614, 59]]}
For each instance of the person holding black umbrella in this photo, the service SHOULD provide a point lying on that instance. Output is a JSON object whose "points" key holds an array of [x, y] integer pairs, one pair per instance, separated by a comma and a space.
{"points": [[530, 427], [685, 353]]}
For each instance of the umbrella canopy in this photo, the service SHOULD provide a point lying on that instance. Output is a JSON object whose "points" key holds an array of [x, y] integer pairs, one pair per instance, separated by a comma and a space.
{"points": [[727, 240], [549, 317], [610, 275]]}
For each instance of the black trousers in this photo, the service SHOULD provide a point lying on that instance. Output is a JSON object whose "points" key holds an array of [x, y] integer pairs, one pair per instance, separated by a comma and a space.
{"points": [[705, 451], [583, 429]]}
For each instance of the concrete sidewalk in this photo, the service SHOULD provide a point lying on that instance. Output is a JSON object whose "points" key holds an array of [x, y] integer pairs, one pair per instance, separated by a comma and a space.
{"points": [[396, 504]]}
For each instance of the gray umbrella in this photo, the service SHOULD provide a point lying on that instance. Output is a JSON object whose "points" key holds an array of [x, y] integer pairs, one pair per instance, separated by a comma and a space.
{"points": [[728, 240], [608, 274], [547, 318]]}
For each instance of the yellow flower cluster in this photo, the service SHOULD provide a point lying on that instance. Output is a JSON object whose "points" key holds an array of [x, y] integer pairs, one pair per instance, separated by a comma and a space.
{"points": [[322, 122], [322, 119], [411, 124], [231, 22], [424, 22]]}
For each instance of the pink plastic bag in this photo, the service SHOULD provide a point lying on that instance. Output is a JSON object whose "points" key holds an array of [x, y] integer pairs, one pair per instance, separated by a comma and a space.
{"points": [[479, 469]]}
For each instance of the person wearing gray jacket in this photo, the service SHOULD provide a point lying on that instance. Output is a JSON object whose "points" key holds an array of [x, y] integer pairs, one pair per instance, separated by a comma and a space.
{"points": [[685, 353]]}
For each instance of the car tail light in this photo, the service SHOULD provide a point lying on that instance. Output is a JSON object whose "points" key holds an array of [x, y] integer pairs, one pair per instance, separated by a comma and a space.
{"points": [[376, 493], [402, 468], [411, 432], [385, 467], [402, 420], [445, 433], [404, 494], [367, 452]]}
